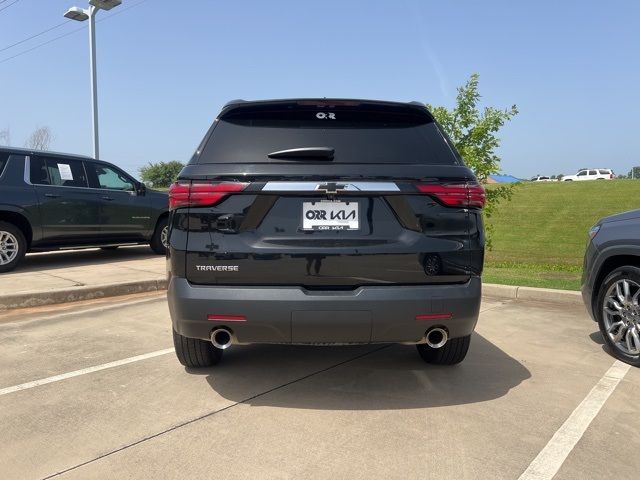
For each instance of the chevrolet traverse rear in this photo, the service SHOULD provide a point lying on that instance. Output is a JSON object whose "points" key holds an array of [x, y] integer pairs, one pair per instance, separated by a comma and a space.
{"points": [[325, 222]]}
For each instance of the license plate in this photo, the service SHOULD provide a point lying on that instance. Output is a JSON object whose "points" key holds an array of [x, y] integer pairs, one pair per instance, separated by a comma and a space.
{"points": [[324, 215]]}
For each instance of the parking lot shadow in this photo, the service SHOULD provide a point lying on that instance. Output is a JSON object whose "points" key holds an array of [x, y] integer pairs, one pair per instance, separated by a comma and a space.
{"points": [[389, 377], [36, 262], [597, 337]]}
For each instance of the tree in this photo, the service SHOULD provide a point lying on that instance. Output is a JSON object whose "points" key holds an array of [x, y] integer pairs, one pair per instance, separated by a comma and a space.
{"points": [[40, 139], [634, 173], [5, 136], [474, 134], [161, 174]]}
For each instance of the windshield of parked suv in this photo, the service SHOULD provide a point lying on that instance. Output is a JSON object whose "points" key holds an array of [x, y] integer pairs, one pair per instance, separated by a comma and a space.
{"points": [[374, 135]]}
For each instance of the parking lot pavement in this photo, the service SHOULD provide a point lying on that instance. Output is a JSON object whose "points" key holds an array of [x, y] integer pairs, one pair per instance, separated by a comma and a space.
{"points": [[94, 391], [70, 270]]}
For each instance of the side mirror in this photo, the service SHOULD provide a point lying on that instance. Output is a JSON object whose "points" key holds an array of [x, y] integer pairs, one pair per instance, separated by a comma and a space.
{"points": [[141, 189]]}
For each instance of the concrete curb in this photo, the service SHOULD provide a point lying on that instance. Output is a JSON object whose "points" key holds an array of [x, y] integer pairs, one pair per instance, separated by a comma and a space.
{"points": [[568, 297], [39, 298], [64, 295]]}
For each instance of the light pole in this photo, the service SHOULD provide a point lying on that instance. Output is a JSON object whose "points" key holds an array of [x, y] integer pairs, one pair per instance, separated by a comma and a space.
{"points": [[82, 14]]}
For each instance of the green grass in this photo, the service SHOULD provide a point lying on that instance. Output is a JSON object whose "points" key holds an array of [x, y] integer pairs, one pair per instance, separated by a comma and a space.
{"points": [[539, 236], [532, 275]]}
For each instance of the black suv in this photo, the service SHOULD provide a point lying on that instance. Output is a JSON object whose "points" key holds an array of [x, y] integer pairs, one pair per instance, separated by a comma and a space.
{"points": [[611, 283], [50, 201], [324, 222]]}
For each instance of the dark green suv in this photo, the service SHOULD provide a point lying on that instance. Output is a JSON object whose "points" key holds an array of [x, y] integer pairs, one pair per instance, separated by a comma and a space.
{"points": [[50, 201]]}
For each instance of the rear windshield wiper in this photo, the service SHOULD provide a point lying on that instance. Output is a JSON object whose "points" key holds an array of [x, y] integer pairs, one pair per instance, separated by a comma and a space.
{"points": [[318, 153]]}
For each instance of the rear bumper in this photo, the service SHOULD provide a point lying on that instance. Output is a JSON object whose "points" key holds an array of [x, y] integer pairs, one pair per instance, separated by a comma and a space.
{"points": [[376, 314]]}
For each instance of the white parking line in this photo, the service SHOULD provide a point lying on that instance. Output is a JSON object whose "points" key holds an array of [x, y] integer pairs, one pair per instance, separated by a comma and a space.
{"points": [[84, 371], [553, 455]]}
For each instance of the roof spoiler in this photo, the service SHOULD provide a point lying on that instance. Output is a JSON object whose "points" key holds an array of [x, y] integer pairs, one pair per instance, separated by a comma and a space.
{"points": [[324, 103]]}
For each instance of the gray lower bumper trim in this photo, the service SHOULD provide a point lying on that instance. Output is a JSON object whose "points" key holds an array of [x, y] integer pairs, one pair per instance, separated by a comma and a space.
{"points": [[375, 314]]}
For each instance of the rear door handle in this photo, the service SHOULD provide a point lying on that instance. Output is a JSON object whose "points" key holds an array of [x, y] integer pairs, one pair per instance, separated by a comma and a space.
{"points": [[105, 197], [51, 195]]}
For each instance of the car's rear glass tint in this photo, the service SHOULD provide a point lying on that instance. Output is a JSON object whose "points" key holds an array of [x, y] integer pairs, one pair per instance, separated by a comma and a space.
{"points": [[358, 134]]}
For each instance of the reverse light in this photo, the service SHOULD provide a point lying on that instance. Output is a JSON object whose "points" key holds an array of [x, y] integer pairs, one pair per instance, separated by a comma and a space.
{"points": [[186, 194], [456, 194]]}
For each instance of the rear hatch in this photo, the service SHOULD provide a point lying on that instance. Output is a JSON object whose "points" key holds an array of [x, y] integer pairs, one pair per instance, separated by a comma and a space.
{"points": [[330, 195]]}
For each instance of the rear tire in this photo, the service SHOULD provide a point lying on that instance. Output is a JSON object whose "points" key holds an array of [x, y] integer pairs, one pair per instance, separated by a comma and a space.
{"points": [[13, 246], [195, 353], [629, 319], [454, 351], [161, 232]]}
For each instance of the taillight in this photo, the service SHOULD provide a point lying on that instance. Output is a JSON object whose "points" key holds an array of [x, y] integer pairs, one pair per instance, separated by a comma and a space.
{"points": [[201, 194], [456, 194], [178, 195]]}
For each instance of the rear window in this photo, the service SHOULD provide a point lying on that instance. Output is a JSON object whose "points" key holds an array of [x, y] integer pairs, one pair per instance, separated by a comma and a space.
{"points": [[56, 171], [357, 133], [605, 172]]}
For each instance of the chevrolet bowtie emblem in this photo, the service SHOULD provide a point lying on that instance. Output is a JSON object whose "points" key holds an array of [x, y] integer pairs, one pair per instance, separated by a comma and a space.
{"points": [[330, 187]]}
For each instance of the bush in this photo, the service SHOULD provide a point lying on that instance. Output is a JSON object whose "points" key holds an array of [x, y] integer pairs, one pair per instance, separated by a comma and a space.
{"points": [[161, 174]]}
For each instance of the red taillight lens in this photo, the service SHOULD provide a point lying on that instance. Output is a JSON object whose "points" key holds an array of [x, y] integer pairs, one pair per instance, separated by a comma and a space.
{"points": [[456, 194], [178, 195], [201, 194], [477, 195], [205, 194]]}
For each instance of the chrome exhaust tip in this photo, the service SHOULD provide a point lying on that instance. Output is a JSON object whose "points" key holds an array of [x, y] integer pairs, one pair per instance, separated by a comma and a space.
{"points": [[437, 337], [221, 338]]}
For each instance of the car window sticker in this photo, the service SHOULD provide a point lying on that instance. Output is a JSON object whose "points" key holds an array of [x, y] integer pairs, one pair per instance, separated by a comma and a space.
{"points": [[65, 171]]}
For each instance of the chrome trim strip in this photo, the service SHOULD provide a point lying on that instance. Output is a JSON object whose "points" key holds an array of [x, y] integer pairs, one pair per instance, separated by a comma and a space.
{"points": [[290, 186], [314, 186]]}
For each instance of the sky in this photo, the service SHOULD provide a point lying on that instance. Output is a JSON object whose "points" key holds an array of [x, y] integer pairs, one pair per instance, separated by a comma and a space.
{"points": [[165, 69]]}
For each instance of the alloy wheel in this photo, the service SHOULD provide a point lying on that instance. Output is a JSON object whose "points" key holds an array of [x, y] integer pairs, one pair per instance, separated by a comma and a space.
{"points": [[621, 315], [164, 236], [8, 247]]}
